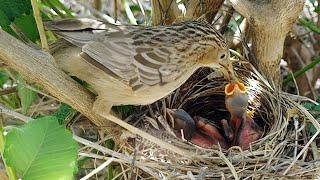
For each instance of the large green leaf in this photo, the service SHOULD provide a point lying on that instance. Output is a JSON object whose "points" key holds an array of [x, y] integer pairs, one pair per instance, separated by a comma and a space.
{"points": [[27, 96], [41, 149], [15, 8], [27, 25], [20, 13]]}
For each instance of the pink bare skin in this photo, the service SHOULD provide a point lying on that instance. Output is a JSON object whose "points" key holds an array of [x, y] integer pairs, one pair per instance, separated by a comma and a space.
{"points": [[197, 130]]}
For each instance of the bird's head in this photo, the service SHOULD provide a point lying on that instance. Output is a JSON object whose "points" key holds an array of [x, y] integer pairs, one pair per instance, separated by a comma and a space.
{"points": [[219, 59]]}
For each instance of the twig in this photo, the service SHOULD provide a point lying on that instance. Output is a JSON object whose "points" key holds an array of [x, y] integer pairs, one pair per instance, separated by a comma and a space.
{"points": [[37, 17], [306, 146], [8, 91], [101, 167], [19, 116], [129, 13], [226, 20], [100, 15]]}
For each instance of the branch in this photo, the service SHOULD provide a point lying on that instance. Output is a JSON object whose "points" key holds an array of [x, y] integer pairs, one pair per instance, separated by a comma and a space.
{"points": [[38, 67], [164, 12], [196, 9], [269, 22]]}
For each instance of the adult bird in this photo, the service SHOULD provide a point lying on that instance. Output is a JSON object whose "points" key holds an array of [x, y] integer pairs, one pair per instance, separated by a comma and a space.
{"points": [[136, 65]]}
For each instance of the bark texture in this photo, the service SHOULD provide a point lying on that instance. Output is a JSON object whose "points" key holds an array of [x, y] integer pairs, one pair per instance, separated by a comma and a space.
{"points": [[164, 12], [209, 8], [269, 22]]}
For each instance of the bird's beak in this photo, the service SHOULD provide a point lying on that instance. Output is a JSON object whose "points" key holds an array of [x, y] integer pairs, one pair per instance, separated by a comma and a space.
{"points": [[228, 72]]}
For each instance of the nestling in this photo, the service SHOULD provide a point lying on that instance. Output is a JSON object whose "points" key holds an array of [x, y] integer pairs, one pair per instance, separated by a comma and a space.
{"points": [[197, 130], [245, 129]]}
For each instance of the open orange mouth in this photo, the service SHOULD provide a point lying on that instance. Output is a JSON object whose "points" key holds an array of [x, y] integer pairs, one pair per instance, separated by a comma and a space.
{"points": [[230, 88]]}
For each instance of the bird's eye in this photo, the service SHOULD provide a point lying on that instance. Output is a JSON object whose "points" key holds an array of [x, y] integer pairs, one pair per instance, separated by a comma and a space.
{"points": [[222, 56]]}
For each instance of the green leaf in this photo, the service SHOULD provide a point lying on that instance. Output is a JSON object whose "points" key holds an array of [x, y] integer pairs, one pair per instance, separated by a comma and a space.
{"points": [[314, 109], [301, 71], [41, 149], [3, 78], [27, 96], [310, 25], [5, 22], [317, 10], [64, 113], [15, 8], [28, 26], [20, 13]]}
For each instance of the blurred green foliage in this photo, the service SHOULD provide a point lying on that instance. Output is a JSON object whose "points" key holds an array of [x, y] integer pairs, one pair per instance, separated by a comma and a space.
{"points": [[18, 12], [64, 113], [314, 109]]}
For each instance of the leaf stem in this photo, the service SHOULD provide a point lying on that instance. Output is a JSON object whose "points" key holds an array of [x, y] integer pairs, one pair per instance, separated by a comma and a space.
{"points": [[37, 17], [301, 71]]}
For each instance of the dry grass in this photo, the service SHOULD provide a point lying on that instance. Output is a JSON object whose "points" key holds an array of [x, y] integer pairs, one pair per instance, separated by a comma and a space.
{"points": [[287, 149]]}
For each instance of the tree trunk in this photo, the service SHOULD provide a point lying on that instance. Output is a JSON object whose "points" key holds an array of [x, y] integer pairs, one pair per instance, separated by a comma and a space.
{"points": [[269, 22], [165, 12]]}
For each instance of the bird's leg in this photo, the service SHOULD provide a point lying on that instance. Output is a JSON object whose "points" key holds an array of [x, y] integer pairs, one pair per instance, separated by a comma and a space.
{"points": [[103, 107]]}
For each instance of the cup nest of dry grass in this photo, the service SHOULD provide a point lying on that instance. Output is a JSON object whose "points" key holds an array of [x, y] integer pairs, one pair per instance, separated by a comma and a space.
{"points": [[286, 150]]}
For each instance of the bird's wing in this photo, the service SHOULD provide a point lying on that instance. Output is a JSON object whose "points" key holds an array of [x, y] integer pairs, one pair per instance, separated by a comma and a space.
{"points": [[140, 57], [138, 65]]}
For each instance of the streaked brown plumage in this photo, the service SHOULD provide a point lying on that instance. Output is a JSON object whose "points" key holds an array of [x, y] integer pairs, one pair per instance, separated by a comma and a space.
{"points": [[134, 64]]}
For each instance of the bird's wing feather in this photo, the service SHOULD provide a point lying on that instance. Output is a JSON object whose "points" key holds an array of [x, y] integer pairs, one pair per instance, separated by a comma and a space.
{"points": [[140, 57], [139, 66]]}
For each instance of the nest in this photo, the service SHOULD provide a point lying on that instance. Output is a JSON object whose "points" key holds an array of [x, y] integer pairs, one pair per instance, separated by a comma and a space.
{"points": [[286, 150]]}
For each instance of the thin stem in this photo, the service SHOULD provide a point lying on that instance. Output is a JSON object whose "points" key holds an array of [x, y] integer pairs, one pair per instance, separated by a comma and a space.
{"points": [[37, 17], [302, 71]]}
